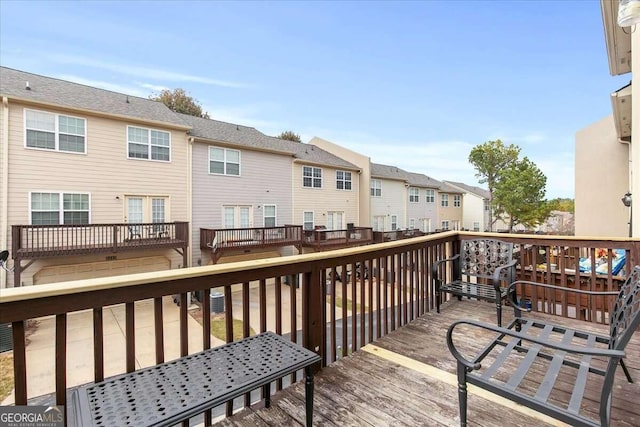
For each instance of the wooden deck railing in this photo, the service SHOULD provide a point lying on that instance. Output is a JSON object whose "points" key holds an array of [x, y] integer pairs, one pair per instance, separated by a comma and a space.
{"points": [[47, 241], [368, 291], [331, 239], [238, 238]]}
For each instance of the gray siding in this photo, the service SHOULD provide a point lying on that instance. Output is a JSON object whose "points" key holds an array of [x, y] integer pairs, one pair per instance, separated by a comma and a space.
{"points": [[265, 178]]}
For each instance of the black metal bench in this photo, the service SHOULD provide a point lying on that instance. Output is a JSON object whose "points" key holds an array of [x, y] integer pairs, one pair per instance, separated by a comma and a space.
{"points": [[548, 367], [478, 271], [169, 393]]}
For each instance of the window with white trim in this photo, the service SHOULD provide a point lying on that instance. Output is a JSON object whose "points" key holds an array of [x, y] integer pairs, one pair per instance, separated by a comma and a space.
{"points": [[444, 200], [269, 212], [311, 177], [476, 226], [394, 222], [59, 208], [376, 188], [224, 161], [412, 223], [414, 195], [56, 132], [378, 223], [456, 225], [148, 144], [456, 201], [343, 180], [307, 220], [486, 205], [445, 225], [430, 195]]}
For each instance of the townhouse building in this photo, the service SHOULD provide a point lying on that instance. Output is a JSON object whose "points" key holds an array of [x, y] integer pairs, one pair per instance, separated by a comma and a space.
{"points": [[422, 211], [475, 215], [93, 183], [450, 207], [607, 153], [389, 197]]}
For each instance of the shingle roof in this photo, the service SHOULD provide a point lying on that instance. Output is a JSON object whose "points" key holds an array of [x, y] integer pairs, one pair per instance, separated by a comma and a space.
{"points": [[389, 172], [250, 137], [73, 95], [471, 189], [422, 180], [448, 188]]}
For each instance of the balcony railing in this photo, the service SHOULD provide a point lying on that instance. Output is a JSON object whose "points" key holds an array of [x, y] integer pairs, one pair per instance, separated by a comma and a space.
{"points": [[366, 291], [242, 238], [322, 239], [47, 241]]}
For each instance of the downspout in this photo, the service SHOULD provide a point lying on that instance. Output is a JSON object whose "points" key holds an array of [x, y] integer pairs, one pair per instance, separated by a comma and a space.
{"points": [[190, 141], [634, 146], [4, 213]]}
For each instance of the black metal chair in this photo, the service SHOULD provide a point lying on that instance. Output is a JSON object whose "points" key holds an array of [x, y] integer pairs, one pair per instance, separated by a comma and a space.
{"points": [[478, 272], [543, 362]]}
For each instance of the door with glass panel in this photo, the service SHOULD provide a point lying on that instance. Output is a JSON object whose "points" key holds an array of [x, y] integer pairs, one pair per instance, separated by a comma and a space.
{"points": [[134, 215], [335, 220]]}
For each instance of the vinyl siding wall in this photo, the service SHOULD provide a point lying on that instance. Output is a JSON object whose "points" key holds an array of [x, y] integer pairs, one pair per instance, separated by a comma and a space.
{"points": [[422, 210], [325, 199], [265, 178], [104, 172], [393, 201]]}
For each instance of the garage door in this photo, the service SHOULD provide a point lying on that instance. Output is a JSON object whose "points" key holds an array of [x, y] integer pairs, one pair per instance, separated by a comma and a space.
{"points": [[62, 273]]}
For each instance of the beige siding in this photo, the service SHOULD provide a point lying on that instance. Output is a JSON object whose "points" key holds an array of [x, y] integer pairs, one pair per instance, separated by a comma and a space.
{"points": [[393, 201], [602, 178], [449, 213], [104, 171], [326, 199]]}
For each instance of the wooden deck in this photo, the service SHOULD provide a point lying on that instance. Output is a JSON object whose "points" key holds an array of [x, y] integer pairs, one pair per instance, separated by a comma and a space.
{"points": [[407, 378]]}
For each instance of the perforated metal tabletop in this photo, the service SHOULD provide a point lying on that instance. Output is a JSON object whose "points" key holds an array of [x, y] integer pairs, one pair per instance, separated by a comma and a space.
{"points": [[165, 394]]}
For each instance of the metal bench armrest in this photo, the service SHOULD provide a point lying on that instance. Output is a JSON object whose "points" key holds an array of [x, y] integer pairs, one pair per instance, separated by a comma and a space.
{"points": [[434, 268], [525, 337], [496, 274], [513, 297]]}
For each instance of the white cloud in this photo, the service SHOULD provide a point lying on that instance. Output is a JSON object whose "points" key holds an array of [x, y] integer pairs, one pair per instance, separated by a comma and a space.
{"points": [[129, 90], [155, 88], [137, 71]]}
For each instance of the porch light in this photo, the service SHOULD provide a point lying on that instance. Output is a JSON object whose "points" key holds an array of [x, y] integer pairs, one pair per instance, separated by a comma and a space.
{"points": [[626, 200], [628, 12]]}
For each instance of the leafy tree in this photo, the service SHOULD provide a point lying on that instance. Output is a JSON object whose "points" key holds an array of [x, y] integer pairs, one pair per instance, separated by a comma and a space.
{"points": [[519, 193], [177, 100], [290, 136], [564, 205], [490, 160]]}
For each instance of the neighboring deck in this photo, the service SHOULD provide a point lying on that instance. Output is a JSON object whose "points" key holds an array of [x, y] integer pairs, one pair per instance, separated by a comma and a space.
{"points": [[408, 378]]}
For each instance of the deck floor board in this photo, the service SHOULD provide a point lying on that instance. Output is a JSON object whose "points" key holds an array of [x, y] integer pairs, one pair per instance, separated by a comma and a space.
{"points": [[366, 389]]}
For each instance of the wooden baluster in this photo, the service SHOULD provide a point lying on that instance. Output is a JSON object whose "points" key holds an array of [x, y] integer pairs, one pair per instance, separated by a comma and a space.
{"points": [[184, 330], [130, 326], [278, 314], [159, 329], [98, 345], [19, 362], [61, 359]]}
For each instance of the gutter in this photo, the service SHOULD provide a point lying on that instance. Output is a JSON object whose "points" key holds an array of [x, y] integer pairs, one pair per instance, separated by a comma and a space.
{"points": [[4, 190]]}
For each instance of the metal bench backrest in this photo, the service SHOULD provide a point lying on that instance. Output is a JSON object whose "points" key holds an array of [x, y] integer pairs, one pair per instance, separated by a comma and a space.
{"points": [[481, 257], [624, 321]]}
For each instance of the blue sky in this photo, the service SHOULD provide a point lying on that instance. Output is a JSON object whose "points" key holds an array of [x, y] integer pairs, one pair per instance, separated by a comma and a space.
{"points": [[411, 84]]}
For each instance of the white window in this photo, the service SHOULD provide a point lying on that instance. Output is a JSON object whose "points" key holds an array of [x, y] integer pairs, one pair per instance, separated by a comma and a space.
{"points": [[445, 225], [430, 196], [456, 225], [476, 226], [456, 201], [141, 209], [343, 180], [444, 200], [412, 224], [224, 161], [148, 144], [55, 132], [311, 177], [486, 206], [376, 188], [307, 220], [394, 222], [414, 195], [426, 225], [59, 208], [269, 215], [378, 223], [237, 217]]}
